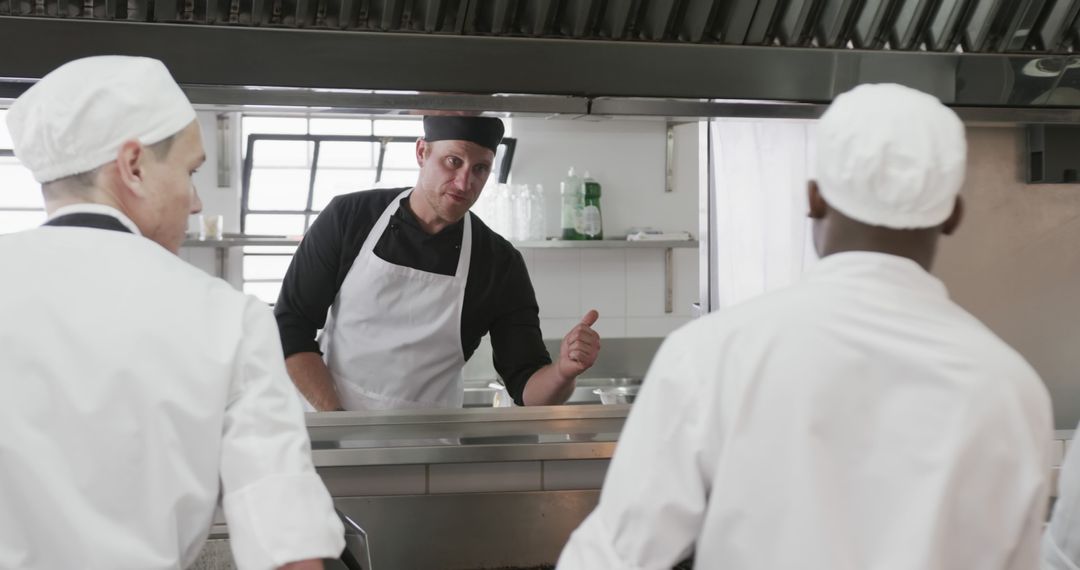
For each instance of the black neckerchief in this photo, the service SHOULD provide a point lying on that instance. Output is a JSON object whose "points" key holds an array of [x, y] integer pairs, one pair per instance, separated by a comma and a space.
{"points": [[88, 220]]}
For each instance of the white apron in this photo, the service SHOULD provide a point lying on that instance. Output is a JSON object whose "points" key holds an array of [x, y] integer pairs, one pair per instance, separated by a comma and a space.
{"points": [[393, 337]]}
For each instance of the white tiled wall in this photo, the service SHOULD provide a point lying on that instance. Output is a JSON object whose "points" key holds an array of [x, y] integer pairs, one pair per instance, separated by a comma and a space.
{"points": [[625, 156], [625, 286]]}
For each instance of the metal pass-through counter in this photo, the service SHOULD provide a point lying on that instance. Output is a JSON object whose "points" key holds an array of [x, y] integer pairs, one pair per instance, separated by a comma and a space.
{"points": [[462, 489]]}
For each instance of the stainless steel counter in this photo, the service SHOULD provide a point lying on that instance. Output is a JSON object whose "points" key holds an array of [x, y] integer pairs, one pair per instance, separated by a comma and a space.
{"points": [[481, 393], [401, 437]]}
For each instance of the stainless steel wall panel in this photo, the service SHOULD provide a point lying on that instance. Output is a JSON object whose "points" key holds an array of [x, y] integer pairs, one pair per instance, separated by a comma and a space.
{"points": [[872, 22], [1015, 80], [490, 17], [328, 59], [700, 19], [439, 16], [1051, 33], [166, 10], [1019, 27], [734, 20], [478, 530], [907, 29], [943, 31], [660, 18], [620, 18], [541, 17], [833, 25], [763, 25], [980, 25], [1066, 91], [795, 27], [1072, 39], [388, 17], [581, 18], [979, 31]]}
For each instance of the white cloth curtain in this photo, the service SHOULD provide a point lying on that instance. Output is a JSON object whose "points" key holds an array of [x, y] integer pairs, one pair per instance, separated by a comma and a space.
{"points": [[762, 235]]}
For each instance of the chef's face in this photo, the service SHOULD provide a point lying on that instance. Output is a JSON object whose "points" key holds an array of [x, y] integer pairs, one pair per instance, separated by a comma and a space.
{"points": [[170, 194], [452, 174]]}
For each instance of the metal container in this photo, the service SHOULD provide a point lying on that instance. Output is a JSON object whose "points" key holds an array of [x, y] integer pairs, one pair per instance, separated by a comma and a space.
{"points": [[613, 395]]}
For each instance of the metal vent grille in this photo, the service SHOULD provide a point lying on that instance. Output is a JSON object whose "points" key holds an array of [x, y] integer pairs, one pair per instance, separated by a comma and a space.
{"points": [[1012, 26]]}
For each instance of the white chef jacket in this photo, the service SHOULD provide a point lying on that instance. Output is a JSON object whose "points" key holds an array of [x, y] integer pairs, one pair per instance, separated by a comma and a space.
{"points": [[134, 388], [859, 420], [1061, 541]]}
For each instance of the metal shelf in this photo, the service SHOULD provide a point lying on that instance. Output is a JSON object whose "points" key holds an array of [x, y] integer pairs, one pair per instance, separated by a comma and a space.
{"points": [[546, 244], [604, 244], [224, 245], [242, 241]]}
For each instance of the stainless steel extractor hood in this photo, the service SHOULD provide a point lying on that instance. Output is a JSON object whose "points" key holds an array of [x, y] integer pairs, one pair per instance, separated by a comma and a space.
{"points": [[970, 53]]}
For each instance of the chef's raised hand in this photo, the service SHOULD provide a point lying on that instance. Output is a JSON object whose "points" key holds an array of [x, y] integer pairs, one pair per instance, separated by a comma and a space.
{"points": [[580, 347]]}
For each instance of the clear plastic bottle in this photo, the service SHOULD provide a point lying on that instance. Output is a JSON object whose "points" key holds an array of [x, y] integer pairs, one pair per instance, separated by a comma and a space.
{"points": [[537, 215], [502, 217], [521, 202], [573, 201], [484, 206], [592, 224]]}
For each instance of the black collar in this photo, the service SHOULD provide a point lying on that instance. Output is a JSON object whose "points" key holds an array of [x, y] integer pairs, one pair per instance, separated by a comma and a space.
{"points": [[406, 215], [88, 220]]}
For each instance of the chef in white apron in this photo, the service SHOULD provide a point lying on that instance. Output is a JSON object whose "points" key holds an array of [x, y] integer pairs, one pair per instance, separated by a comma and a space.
{"points": [[421, 337], [404, 283]]}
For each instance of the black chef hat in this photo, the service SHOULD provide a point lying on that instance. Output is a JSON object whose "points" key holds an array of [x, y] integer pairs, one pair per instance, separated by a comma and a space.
{"points": [[484, 131]]}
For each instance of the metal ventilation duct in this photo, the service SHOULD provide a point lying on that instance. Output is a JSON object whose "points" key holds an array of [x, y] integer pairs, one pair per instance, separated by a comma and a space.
{"points": [[967, 52]]}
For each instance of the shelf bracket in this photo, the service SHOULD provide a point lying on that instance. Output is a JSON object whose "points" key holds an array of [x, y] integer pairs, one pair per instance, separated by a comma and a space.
{"points": [[669, 159], [668, 280], [221, 257], [225, 153]]}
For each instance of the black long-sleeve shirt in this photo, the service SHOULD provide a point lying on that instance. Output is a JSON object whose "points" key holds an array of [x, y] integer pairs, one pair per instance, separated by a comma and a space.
{"points": [[499, 296]]}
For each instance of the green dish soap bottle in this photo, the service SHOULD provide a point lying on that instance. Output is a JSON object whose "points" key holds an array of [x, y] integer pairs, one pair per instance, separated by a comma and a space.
{"points": [[573, 202], [592, 224]]}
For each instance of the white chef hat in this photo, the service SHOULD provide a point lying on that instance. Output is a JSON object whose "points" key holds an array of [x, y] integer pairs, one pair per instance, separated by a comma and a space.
{"points": [[888, 155], [76, 118]]}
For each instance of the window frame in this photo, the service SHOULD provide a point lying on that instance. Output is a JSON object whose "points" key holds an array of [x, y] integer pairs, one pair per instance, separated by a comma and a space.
{"points": [[509, 143], [10, 153]]}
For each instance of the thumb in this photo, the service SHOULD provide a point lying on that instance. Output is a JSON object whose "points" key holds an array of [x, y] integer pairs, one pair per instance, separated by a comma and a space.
{"points": [[590, 318]]}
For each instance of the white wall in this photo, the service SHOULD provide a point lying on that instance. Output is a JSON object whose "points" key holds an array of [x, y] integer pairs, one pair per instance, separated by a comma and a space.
{"points": [[625, 156], [625, 286], [217, 200]]}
